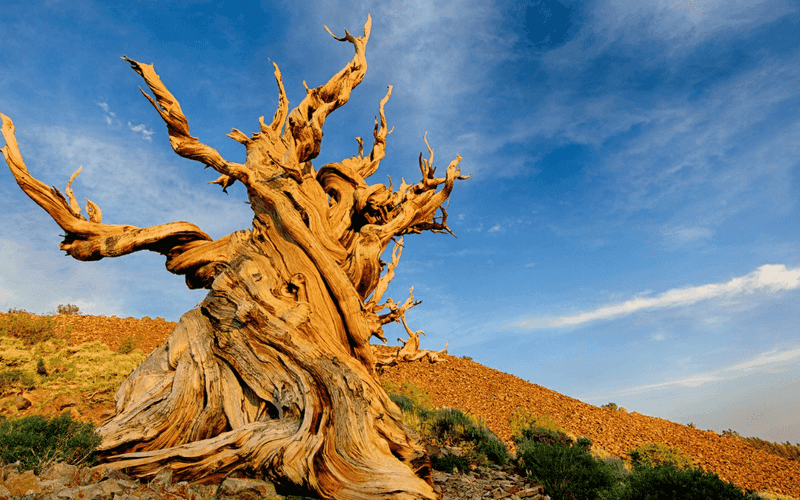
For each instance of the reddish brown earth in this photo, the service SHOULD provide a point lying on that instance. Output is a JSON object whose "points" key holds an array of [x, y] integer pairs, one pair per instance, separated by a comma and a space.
{"points": [[493, 396]]}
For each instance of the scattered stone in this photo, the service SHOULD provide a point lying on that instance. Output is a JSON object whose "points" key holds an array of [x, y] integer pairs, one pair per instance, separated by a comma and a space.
{"points": [[493, 483], [61, 473], [21, 403], [162, 481], [246, 489], [20, 484]]}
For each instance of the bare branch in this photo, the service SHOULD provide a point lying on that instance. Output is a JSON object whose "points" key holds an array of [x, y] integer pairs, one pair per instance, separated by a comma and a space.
{"points": [[283, 105], [178, 127], [91, 240], [306, 120], [379, 145], [383, 284]]}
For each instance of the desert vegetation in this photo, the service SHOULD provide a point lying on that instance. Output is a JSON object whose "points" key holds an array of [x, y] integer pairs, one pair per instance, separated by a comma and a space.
{"points": [[37, 359], [568, 466], [564, 464], [786, 450]]}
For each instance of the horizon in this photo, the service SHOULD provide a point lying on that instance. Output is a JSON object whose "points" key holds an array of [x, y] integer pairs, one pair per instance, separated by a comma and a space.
{"points": [[629, 233]]}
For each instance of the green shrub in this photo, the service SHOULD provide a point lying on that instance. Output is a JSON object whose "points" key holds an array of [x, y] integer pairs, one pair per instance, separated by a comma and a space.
{"points": [[523, 418], [450, 462], [29, 329], [36, 442], [566, 472], [585, 443], [617, 467], [68, 309], [486, 445], [449, 425], [610, 406], [666, 482], [127, 345], [655, 454], [542, 436], [12, 378], [452, 427], [416, 396]]}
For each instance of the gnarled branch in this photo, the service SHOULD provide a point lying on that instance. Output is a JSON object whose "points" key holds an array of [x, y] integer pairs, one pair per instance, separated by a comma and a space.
{"points": [[178, 126], [91, 240]]}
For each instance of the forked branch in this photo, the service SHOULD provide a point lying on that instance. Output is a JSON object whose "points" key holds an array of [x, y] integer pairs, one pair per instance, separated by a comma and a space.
{"points": [[306, 120], [178, 127], [91, 240]]}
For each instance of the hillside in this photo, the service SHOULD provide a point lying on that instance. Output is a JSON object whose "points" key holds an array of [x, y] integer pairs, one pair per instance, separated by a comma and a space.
{"points": [[484, 392]]}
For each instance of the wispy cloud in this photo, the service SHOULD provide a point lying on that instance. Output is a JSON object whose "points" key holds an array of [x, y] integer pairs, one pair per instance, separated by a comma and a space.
{"points": [[110, 115], [768, 278], [146, 133], [764, 362], [112, 121]]}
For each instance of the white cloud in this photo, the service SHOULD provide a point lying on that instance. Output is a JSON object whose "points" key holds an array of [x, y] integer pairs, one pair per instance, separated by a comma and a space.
{"points": [[769, 278], [497, 228], [686, 234], [764, 362], [146, 133], [110, 115], [767, 359]]}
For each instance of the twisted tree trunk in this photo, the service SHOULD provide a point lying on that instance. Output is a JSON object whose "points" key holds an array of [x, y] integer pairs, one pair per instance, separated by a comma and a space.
{"points": [[273, 372]]}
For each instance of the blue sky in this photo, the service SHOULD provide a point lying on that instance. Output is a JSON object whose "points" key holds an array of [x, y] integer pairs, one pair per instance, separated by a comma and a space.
{"points": [[630, 231]]}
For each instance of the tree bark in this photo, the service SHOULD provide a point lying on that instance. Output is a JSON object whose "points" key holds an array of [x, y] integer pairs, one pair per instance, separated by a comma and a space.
{"points": [[273, 373]]}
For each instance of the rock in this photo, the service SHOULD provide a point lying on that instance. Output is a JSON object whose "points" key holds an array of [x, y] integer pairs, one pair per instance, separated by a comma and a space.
{"points": [[246, 489], [21, 403], [101, 472], [60, 473], [162, 481], [4, 492], [492, 483], [21, 484], [5, 470], [65, 401]]}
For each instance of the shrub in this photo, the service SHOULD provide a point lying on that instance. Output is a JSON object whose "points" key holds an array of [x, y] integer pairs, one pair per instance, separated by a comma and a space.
{"points": [[450, 462], [486, 445], [127, 345], [68, 309], [617, 466], [14, 377], [655, 454], [610, 406], [523, 418], [449, 425], [35, 442], [566, 472], [543, 436], [666, 482], [585, 443], [29, 329], [416, 396], [452, 427]]}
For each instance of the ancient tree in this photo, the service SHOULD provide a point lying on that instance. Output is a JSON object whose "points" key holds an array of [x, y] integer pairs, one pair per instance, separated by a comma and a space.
{"points": [[273, 372]]}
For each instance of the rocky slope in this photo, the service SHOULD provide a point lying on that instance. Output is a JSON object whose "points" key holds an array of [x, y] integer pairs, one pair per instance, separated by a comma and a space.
{"points": [[493, 395]]}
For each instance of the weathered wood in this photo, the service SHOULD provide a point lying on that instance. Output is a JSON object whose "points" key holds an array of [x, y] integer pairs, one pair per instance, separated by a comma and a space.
{"points": [[273, 372]]}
